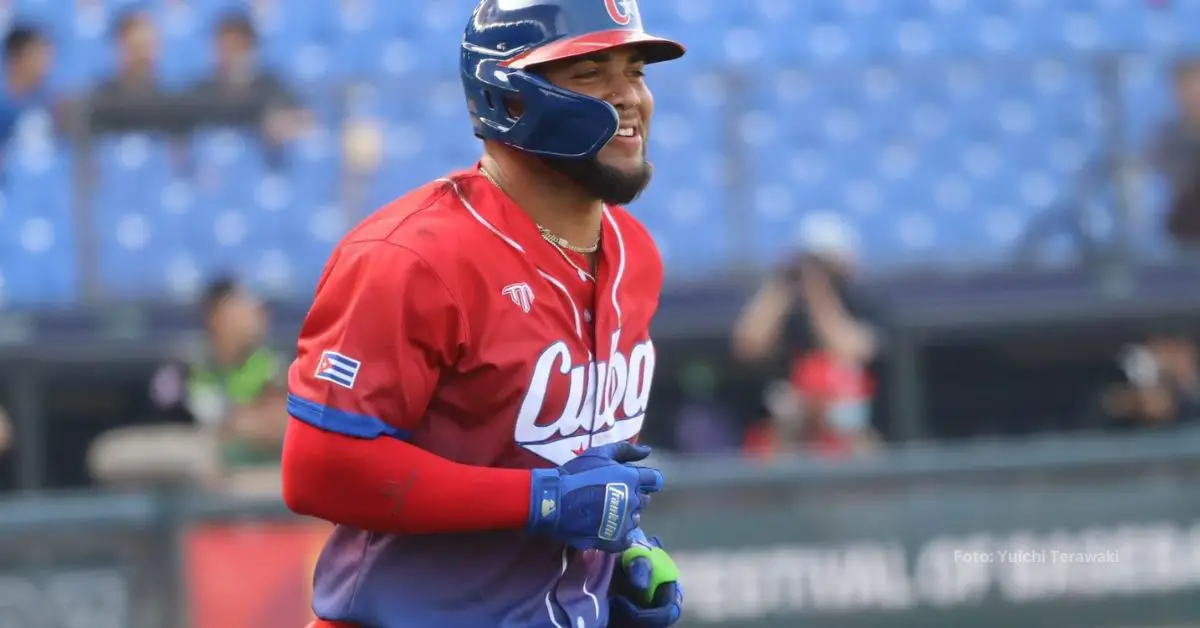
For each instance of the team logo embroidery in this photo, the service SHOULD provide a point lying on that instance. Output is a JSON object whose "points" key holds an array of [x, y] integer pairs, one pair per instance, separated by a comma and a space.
{"points": [[520, 294], [605, 401], [621, 11]]}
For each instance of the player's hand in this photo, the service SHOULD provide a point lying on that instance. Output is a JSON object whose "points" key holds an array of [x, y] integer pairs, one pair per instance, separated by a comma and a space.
{"points": [[645, 590], [594, 501]]}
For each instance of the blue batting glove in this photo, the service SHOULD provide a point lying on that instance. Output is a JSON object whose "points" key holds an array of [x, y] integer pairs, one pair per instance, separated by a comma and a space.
{"points": [[594, 501], [645, 592]]}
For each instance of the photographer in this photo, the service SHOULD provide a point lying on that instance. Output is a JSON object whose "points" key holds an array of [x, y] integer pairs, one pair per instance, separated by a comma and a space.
{"points": [[811, 315], [6, 433]]}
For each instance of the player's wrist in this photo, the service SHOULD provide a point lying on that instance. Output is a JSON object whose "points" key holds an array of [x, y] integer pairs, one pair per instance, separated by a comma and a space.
{"points": [[544, 496]]}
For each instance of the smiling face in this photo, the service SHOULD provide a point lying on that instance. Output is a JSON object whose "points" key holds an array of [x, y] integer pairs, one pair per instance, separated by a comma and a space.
{"points": [[620, 172], [618, 77]]}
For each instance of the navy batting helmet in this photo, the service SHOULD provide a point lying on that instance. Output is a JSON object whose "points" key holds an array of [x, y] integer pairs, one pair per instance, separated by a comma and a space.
{"points": [[505, 38]]}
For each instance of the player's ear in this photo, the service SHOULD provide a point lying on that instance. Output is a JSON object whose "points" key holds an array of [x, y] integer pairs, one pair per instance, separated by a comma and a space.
{"points": [[514, 106]]}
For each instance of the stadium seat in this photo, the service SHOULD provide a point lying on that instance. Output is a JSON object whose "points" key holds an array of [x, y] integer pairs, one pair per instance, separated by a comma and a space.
{"points": [[934, 130]]}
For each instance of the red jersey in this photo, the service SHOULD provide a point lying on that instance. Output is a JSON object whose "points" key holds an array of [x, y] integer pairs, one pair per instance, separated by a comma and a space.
{"points": [[447, 320], [477, 338]]}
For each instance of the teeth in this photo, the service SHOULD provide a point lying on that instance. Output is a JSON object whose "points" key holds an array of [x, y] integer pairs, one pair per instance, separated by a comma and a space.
{"points": [[625, 132]]}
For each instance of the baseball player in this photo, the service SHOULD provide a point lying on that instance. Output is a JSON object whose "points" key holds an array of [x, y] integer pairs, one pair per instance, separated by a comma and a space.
{"points": [[476, 365]]}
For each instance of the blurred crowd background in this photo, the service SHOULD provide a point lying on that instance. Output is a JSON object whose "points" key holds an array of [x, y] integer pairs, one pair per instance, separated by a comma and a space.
{"points": [[930, 280]]}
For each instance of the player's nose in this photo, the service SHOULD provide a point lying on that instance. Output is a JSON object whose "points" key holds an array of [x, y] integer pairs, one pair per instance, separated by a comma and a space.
{"points": [[625, 96]]}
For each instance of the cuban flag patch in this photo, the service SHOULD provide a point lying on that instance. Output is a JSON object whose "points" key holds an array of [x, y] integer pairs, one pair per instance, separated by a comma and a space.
{"points": [[337, 368]]}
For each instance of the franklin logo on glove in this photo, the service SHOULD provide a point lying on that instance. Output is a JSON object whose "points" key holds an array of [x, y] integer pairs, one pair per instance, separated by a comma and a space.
{"points": [[616, 496]]}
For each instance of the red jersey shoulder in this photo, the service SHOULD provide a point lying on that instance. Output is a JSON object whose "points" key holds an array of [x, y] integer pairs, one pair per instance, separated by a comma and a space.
{"points": [[433, 223], [430, 221], [438, 225]]}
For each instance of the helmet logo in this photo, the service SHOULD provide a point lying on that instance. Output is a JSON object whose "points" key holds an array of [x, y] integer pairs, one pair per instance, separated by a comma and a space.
{"points": [[621, 11]]}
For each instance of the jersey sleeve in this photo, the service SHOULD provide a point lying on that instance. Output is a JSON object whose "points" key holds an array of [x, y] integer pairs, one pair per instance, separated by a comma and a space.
{"points": [[382, 328]]}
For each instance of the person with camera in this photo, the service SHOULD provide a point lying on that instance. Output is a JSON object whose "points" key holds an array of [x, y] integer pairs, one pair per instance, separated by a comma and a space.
{"points": [[6, 432], [813, 316], [1175, 155]]}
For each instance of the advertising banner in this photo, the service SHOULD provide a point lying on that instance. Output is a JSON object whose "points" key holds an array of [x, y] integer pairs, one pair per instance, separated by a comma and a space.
{"points": [[250, 575], [1062, 553]]}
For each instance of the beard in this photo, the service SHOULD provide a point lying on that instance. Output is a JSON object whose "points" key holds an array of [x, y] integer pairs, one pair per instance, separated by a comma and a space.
{"points": [[612, 186]]}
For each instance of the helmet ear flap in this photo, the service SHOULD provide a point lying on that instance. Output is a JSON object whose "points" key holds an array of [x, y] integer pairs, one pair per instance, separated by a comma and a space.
{"points": [[556, 122], [524, 110]]}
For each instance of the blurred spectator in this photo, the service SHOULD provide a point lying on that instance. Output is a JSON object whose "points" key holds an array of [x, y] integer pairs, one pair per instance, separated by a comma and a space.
{"points": [[137, 59], [1159, 385], [829, 335], [362, 135], [137, 55], [246, 95], [797, 423], [6, 433], [133, 99], [239, 389], [1176, 154], [236, 393], [27, 56]]}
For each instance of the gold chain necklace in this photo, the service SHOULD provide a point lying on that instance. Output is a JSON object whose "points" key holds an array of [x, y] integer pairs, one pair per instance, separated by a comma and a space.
{"points": [[583, 274], [548, 235]]}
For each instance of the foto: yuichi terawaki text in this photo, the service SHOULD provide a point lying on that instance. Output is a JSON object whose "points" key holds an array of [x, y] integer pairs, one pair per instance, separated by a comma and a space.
{"points": [[1035, 556]]}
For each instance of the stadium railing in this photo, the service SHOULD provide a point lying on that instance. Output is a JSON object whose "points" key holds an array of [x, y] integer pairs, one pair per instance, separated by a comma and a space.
{"points": [[1082, 532]]}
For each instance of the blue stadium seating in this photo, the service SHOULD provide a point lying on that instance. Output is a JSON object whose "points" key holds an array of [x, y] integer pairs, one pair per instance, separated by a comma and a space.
{"points": [[934, 130]]}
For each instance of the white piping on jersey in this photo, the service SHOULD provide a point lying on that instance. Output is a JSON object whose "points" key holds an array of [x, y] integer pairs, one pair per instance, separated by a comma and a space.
{"points": [[595, 602], [563, 572], [620, 265], [470, 208], [550, 611], [550, 605], [574, 309], [608, 215]]}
